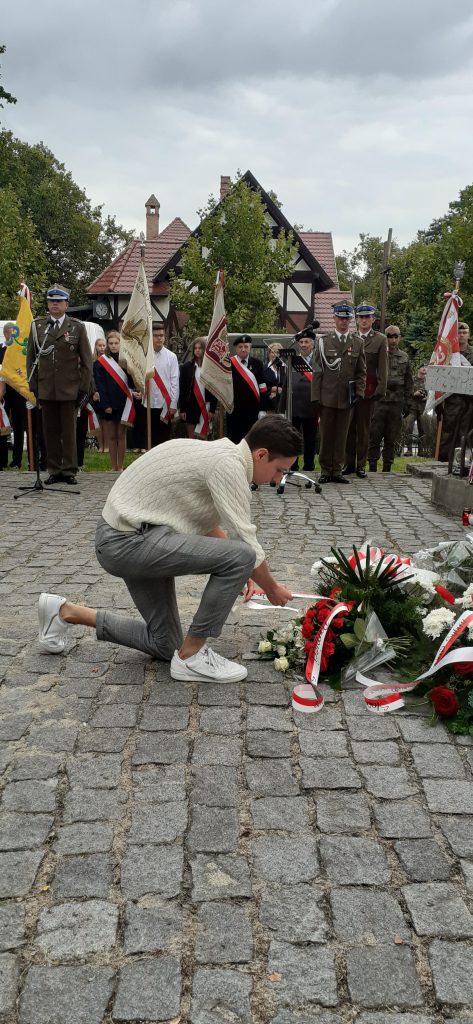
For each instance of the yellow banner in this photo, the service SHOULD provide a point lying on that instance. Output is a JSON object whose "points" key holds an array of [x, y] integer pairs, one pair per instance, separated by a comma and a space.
{"points": [[13, 369]]}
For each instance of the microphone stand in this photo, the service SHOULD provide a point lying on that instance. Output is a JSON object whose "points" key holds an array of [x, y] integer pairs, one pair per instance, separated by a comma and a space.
{"points": [[38, 485]]}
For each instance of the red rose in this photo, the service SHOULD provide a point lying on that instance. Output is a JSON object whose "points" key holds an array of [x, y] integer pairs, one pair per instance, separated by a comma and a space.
{"points": [[329, 649], [445, 701], [445, 594], [322, 614], [309, 646], [464, 668], [310, 614], [334, 591], [338, 623], [307, 630]]}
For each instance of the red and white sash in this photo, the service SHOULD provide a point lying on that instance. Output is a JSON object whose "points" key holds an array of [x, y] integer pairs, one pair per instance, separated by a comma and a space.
{"points": [[248, 377], [5, 427], [203, 425], [119, 376], [93, 422], [165, 415]]}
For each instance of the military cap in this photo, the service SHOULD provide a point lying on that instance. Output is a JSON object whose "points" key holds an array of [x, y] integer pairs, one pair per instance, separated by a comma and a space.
{"points": [[365, 309], [58, 292], [243, 338], [343, 309], [463, 325]]}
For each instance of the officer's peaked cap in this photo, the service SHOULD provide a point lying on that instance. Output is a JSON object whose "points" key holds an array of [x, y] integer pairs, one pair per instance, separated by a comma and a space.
{"points": [[343, 309], [58, 292], [365, 309], [243, 338]]}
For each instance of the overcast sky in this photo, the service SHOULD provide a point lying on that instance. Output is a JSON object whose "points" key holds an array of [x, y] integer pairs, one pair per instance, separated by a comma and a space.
{"points": [[357, 113]]}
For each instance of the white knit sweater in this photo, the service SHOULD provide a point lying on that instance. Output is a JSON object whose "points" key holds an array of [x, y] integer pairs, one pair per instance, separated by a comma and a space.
{"points": [[192, 486]]}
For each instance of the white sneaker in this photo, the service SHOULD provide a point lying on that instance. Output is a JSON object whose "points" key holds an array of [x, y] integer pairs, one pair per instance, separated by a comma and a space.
{"points": [[52, 629], [206, 667]]}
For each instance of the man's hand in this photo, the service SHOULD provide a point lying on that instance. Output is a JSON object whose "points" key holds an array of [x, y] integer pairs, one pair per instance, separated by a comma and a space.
{"points": [[278, 594], [249, 591]]}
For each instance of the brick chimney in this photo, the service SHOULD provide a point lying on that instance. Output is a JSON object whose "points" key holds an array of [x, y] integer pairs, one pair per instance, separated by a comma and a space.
{"points": [[225, 185], [152, 218]]}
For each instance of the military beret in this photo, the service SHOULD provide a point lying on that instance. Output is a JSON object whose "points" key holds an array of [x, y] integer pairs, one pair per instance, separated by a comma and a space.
{"points": [[343, 309], [242, 339], [58, 292], [365, 309]]}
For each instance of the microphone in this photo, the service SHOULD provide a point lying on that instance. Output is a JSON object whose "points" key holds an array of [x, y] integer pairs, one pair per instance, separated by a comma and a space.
{"points": [[308, 331]]}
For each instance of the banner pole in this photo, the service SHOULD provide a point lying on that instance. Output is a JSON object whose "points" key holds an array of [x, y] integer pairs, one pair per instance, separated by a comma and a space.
{"points": [[439, 438], [29, 439], [148, 416]]}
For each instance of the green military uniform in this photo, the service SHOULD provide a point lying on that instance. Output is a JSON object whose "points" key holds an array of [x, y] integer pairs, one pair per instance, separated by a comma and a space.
{"points": [[414, 415], [376, 354], [339, 375], [64, 370], [386, 423], [455, 414]]}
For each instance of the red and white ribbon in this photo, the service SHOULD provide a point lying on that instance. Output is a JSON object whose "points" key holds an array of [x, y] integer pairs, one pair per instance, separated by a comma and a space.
{"points": [[383, 697], [203, 425], [158, 380], [398, 565], [5, 426], [309, 698], [119, 376], [248, 376], [93, 422]]}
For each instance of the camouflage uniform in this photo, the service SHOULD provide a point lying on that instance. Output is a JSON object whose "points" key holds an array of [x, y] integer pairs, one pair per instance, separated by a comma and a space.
{"points": [[387, 417]]}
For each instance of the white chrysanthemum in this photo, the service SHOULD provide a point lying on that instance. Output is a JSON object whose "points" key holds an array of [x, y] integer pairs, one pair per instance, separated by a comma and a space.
{"points": [[281, 664], [438, 622], [317, 566], [281, 650], [467, 597]]}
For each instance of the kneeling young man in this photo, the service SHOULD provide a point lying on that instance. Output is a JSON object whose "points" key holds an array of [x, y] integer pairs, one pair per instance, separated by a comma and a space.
{"points": [[170, 514]]}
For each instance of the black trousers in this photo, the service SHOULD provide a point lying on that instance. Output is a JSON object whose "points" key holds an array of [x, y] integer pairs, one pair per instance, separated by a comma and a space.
{"points": [[160, 431], [59, 426], [308, 427]]}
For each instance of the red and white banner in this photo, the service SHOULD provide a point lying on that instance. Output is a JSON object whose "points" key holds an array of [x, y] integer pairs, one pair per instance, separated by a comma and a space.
{"points": [[136, 336], [119, 376], [383, 697], [447, 348], [216, 372]]}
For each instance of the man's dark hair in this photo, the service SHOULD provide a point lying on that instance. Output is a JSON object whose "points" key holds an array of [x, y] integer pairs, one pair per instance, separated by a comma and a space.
{"points": [[275, 433]]}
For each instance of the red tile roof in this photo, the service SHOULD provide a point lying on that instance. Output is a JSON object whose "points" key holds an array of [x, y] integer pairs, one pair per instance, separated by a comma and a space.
{"points": [[120, 276], [323, 306], [320, 244]]}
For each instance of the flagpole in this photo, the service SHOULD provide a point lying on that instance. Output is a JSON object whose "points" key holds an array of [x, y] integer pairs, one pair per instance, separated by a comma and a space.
{"points": [[29, 440], [458, 270]]}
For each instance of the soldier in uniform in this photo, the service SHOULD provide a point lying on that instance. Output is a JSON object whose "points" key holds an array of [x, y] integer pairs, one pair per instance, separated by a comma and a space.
{"points": [[338, 382], [249, 390], [376, 353], [456, 408], [415, 411], [386, 423], [59, 366]]}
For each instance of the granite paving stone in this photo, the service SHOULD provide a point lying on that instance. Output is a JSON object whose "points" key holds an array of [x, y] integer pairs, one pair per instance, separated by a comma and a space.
{"points": [[93, 837], [220, 876], [214, 693], [272, 694], [467, 869], [437, 761], [215, 786], [152, 929], [93, 805], [270, 778], [162, 823], [13, 727], [167, 694], [155, 870], [74, 930], [351, 860], [306, 975], [102, 741], [339, 811], [221, 995], [437, 909], [9, 976], [452, 972], [323, 744], [293, 913], [418, 730], [376, 753], [223, 934], [330, 720], [213, 830], [449, 797], [372, 730], [83, 876], [277, 719], [71, 995], [388, 783], [161, 748], [111, 694], [52, 736], [12, 925], [363, 915], [384, 977], [35, 766], [114, 716], [423, 860], [220, 721], [18, 871], [380, 1017], [24, 831], [163, 784], [459, 833], [268, 744], [288, 814], [329, 773], [94, 771], [163, 719], [148, 989], [402, 819], [278, 859], [307, 1016], [223, 750]]}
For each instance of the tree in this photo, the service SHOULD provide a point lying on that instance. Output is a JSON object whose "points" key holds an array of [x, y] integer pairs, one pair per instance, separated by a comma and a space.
{"points": [[21, 255], [78, 243], [235, 235], [5, 97]]}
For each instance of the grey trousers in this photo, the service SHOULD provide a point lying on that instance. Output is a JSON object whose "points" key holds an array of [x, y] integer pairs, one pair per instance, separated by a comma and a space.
{"points": [[148, 560]]}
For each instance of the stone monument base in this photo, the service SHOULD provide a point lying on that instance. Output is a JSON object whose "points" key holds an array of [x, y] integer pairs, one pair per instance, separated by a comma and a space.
{"points": [[451, 493]]}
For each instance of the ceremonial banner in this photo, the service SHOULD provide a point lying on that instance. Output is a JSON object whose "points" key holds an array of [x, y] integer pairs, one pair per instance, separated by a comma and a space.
{"points": [[13, 369], [136, 339], [216, 374], [447, 349]]}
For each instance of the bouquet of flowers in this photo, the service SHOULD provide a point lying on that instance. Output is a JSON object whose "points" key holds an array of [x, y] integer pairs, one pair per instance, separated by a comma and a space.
{"points": [[373, 608]]}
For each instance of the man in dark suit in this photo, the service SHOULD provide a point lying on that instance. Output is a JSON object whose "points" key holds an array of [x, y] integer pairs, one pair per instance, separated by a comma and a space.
{"points": [[249, 390], [59, 378], [338, 381]]}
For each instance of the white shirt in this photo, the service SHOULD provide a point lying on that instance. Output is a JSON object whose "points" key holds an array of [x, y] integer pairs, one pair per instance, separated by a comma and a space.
{"points": [[57, 320], [167, 367]]}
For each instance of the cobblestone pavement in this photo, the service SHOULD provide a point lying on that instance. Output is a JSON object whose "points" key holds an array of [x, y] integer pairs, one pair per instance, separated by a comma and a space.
{"points": [[201, 854]]}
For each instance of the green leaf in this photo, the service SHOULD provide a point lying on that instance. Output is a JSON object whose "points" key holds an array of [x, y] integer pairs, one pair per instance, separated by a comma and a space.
{"points": [[348, 640], [359, 628]]}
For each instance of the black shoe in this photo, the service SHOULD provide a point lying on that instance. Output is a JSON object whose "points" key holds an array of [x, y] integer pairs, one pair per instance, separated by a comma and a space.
{"points": [[386, 469], [325, 478], [361, 473], [348, 469], [53, 478], [68, 478], [14, 465], [339, 479], [373, 467]]}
